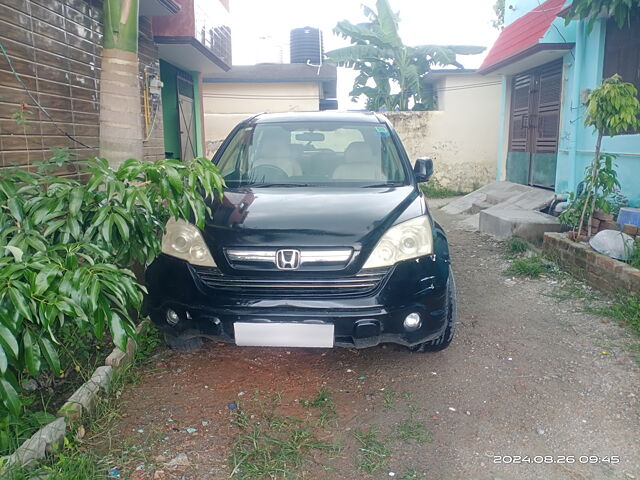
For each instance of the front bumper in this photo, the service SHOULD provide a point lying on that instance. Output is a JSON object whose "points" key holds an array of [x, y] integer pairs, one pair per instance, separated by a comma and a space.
{"points": [[360, 320]]}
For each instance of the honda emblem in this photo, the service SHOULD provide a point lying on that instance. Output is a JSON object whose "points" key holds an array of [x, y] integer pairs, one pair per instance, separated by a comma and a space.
{"points": [[288, 259]]}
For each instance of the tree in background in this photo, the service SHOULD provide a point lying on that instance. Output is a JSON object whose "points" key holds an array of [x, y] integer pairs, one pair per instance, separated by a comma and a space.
{"points": [[120, 117], [498, 8], [612, 108], [383, 61], [619, 10]]}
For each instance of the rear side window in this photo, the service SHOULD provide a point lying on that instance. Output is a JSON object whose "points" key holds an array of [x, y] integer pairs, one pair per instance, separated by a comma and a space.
{"points": [[313, 154]]}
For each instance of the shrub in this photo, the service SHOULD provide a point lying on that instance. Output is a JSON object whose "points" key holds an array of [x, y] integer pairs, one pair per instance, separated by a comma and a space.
{"points": [[516, 245], [434, 189], [65, 252]]}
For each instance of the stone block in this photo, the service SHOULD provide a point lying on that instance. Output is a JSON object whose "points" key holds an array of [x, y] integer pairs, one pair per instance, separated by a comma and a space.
{"points": [[85, 398], [529, 225], [44, 442]]}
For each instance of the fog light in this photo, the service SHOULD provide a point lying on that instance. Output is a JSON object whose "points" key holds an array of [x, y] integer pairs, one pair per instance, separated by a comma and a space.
{"points": [[172, 317], [412, 321]]}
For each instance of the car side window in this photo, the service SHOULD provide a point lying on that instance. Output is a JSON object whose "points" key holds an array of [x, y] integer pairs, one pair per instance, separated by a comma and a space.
{"points": [[234, 157], [391, 163]]}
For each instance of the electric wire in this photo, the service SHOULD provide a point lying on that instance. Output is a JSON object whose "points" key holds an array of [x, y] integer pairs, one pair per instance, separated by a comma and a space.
{"points": [[37, 103]]}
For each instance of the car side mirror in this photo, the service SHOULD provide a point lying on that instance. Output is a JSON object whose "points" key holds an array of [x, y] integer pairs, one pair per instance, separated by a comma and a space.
{"points": [[423, 169]]}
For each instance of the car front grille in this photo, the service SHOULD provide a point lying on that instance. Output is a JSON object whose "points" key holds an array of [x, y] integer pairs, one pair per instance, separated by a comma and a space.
{"points": [[356, 285]]}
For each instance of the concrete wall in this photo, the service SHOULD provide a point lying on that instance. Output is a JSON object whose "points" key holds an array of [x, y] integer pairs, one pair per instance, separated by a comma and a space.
{"points": [[462, 138], [226, 103]]}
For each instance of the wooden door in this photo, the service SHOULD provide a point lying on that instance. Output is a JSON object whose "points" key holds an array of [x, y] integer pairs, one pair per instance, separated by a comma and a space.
{"points": [[186, 115], [534, 125]]}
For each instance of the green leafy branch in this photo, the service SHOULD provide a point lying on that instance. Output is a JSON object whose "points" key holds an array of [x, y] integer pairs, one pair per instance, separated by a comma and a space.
{"points": [[66, 249]]}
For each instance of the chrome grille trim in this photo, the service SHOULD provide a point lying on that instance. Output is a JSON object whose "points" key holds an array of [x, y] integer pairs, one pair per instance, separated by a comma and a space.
{"points": [[251, 255], [306, 256]]}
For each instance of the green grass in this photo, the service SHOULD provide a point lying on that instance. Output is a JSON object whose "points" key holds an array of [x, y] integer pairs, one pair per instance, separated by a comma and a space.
{"points": [[409, 474], [325, 406], [533, 266], [269, 445], [412, 430], [373, 453], [389, 399], [90, 459], [634, 261], [261, 451], [626, 310], [71, 465], [516, 246], [434, 189]]}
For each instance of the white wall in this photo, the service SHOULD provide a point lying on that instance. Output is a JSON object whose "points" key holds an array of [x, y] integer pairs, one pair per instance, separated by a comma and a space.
{"points": [[226, 104], [462, 138]]}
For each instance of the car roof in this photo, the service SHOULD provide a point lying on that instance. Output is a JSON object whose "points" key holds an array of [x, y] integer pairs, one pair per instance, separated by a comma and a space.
{"points": [[325, 116]]}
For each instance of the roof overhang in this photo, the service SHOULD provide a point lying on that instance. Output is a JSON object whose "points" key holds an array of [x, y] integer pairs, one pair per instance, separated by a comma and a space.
{"points": [[188, 53], [276, 73], [150, 8], [531, 57], [523, 40]]}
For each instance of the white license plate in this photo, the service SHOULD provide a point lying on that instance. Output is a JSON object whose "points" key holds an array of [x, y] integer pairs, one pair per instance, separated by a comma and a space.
{"points": [[284, 334]]}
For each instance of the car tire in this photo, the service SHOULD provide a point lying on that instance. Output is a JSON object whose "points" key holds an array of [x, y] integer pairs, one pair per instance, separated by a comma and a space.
{"points": [[185, 342], [443, 340]]}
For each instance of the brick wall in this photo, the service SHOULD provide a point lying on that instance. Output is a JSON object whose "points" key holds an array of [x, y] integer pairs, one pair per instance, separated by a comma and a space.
{"points": [[55, 46], [598, 270]]}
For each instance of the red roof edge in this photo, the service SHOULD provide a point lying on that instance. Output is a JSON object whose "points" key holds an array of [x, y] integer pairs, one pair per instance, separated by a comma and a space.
{"points": [[522, 34]]}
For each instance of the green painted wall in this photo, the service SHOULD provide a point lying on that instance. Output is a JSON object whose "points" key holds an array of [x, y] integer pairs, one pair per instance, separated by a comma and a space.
{"points": [[198, 112], [170, 109]]}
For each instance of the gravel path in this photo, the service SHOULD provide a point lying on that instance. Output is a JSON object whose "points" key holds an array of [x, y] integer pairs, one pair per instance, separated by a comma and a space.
{"points": [[527, 379]]}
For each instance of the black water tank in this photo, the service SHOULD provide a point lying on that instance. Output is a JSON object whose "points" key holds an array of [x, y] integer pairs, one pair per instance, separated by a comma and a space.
{"points": [[306, 45]]}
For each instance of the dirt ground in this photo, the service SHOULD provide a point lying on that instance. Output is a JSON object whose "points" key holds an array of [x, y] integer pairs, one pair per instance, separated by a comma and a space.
{"points": [[531, 388]]}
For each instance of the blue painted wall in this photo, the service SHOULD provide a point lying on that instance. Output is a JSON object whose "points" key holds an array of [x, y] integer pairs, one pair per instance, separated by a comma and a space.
{"points": [[582, 69]]}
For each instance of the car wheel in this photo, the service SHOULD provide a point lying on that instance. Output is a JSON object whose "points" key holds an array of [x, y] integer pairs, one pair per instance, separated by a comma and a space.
{"points": [[185, 342], [443, 340]]}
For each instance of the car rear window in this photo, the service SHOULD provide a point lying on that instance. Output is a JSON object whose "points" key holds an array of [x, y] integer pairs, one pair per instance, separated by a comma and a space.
{"points": [[314, 154]]}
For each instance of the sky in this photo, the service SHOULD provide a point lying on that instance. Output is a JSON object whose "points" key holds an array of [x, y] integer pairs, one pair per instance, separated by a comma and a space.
{"points": [[444, 22]]}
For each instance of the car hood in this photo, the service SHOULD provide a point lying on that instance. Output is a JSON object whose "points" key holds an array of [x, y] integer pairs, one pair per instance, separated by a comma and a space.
{"points": [[294, 217]]}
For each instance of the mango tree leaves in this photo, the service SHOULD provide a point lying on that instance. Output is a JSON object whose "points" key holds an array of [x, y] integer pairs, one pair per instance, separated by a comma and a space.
{"points": [[8, 342], [65, 249], [9, 397], [31, 353]]}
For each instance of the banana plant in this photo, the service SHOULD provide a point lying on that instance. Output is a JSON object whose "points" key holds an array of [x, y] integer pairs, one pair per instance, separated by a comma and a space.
{"points": [[378, 53]]}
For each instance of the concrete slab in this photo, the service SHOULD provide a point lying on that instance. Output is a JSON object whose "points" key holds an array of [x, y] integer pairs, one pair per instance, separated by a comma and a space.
{"points": [[529, 225], [491, 194], [470, 224], [532, 199]]}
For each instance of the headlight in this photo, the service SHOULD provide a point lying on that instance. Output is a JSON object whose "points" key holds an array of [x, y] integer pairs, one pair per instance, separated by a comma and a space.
{"points": [[410, 239], [183, 240]]}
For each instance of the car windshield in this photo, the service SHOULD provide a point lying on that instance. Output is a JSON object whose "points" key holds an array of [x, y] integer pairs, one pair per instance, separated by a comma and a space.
{"points": [[312, 154]]}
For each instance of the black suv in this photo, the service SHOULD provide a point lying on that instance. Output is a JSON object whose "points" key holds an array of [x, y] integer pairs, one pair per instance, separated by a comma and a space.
{"points": [[322, 239]]}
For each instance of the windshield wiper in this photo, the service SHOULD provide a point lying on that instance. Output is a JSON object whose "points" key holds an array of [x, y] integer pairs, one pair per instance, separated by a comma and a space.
{"points": [[260, 185], [387, 184]]}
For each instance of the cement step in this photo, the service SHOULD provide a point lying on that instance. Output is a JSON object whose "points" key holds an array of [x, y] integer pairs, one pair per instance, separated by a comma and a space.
{"points": [[501, 194], [529, 225]]}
